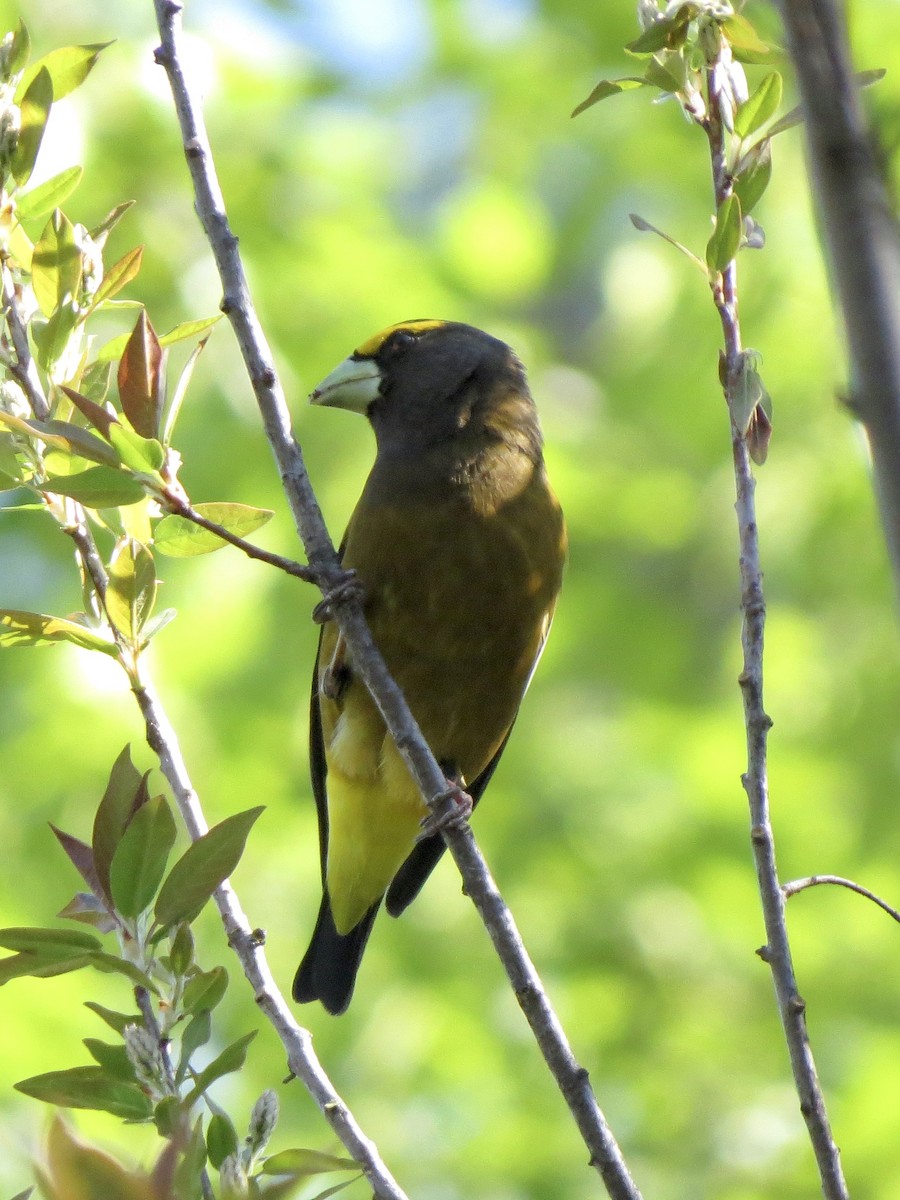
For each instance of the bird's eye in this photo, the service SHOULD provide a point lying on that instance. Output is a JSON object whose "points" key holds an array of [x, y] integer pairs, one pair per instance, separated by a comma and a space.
{"points": [[400, 341]]}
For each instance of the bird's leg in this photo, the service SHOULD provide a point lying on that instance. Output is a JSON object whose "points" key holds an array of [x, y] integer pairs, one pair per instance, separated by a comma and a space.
{"points": [[347, 587], [336, 676], [452, 807]]}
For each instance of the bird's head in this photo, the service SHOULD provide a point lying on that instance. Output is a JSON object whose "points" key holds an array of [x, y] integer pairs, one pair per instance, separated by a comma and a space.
{"points": [[426, 382]]}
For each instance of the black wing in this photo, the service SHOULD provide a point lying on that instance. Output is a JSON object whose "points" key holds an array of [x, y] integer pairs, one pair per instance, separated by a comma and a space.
{"points": [[411, 877]]}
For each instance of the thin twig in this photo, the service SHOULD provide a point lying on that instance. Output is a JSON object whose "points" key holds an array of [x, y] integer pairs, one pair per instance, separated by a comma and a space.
{"points": [[791, 1005], [183, 509], [24, 367], [861, 231], [800, 885], [572, 1079]]}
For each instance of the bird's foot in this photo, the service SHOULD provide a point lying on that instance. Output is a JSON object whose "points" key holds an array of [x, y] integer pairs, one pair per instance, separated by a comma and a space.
{"points": [[334, 681], [347, 588], [452, 809]]}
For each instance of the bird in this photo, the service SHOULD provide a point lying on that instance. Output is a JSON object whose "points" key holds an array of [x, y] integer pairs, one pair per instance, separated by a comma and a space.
{"points": [[458, 544]]}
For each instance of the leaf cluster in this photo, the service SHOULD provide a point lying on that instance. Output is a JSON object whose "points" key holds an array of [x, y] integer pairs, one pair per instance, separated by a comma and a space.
{"points": [[150, 1073], [86, 432]]}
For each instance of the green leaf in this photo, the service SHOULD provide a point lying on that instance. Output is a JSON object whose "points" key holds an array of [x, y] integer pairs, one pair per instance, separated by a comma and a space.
{"points": [[606, 88], [100, 232], [204, 991], [118, 275], [98, 487], [111, 964], [68, 67], [668, 72], [19, 628], [35, 105], [115, 1020], [132, 587], [667, 33], [221, 1139], [145, 455], [179, 537], [41, 966], [188, 329], [155, 624], [231, 1059], [52, 337], [746, 390], [48, 940], [180, 391], [167, 1116], [41, 200], [94, 382], [181, 953], [71, 439], [88, 1087], [19, 50], [726, 237], [752, 179], [140, 859], [112, 1058], [760, 107], [205, 864], [745, 42], [140, 379], [56, 266], [306, 1162], [196, 1034], [121, 800]]}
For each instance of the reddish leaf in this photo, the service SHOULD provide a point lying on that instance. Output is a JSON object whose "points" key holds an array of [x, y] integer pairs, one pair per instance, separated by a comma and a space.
{"points": [[140, 377]]}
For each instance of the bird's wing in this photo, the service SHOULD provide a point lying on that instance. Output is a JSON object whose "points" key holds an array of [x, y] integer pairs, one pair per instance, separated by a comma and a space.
{"points": [[411, 877], [318, 767]]}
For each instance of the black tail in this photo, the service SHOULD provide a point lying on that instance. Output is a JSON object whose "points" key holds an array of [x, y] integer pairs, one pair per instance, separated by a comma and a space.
{"points": [[329, 967]]}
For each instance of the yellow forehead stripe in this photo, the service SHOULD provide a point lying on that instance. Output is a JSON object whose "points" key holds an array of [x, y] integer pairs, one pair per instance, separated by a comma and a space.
{"points": [[371, 347]]}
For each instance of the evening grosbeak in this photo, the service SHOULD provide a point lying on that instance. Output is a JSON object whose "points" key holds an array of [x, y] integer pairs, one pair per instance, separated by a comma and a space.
{"points": [[458, 543]]}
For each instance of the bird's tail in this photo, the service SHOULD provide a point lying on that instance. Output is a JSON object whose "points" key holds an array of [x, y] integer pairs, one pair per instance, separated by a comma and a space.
{"points": [[329, 967]]}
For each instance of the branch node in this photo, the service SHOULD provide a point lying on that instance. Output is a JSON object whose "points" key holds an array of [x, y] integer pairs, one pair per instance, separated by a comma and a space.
{"points": [[759, 834], [764, 953], [346, 589], [450, 809]]}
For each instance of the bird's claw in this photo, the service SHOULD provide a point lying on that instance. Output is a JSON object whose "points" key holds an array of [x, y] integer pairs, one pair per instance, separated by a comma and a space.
{"points": [[347, 588], [452, 809]]}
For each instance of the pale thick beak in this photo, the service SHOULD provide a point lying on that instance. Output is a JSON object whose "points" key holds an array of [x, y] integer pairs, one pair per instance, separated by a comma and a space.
{"points": [[352, 385]]}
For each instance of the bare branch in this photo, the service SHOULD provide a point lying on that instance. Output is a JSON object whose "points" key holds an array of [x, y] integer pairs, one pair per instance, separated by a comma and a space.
{"points": [[861, 231], [800, 885], [572, 1079], [778, 951]]}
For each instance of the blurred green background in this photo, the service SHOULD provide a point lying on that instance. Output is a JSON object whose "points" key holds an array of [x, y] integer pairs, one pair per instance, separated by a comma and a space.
{"points": [[385, 160]]}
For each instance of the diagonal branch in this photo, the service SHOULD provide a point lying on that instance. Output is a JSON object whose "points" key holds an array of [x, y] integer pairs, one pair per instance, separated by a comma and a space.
{"points": [[572, 1079]]}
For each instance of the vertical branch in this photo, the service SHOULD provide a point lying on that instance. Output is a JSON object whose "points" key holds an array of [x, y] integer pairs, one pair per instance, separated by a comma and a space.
{"points": [[862, 234], [777, 951]]}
